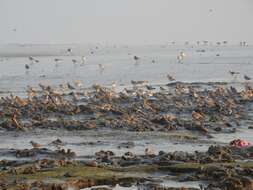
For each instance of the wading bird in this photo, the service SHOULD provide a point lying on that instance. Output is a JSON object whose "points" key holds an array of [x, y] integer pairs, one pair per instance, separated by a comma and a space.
{"points": [[27, 66], [181, 57], [35, 145], [247, 77], [170, 78]]}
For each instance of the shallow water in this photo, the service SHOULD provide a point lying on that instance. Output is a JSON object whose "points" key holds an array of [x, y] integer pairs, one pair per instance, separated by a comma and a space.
{"points": [[165, 184], [87, 143], [119, 65]]}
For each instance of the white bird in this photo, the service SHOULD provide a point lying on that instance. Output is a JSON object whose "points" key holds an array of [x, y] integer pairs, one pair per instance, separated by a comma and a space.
{"points": [[181, 57], [84, 59]]}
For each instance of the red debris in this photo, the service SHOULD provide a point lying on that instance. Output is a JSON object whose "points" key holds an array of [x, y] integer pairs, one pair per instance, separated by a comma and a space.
{"points": [[239, 143]]}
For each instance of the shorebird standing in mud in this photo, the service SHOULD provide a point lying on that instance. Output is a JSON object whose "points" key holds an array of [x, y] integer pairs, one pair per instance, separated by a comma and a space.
{"points": [[31, 58], [27, 67], [149, 151], [234, 74], [197, 116], [69, 50], [78, 83], [136, 59], [74, 61], [247, 78], [101, 68], [35, 145], [57, 60], [84, 59]]}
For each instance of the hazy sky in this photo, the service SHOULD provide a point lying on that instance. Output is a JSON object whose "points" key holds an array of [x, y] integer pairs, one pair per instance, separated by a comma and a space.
{"points": [[125, 21]]}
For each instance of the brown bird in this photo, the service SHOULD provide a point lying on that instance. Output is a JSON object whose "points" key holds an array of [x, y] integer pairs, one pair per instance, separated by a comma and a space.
{"points": [[197, 116], [15, 122], [35, 145]]}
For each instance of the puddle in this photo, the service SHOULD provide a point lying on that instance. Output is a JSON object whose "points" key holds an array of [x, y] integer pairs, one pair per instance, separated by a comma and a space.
{"points": [[87, 143]]}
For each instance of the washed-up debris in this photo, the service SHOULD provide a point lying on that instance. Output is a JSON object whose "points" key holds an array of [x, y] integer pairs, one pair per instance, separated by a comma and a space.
{"points": [[240, 143]]}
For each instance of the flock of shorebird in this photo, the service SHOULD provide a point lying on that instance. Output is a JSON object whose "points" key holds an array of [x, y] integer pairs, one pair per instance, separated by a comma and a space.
{"points": [[56, 60], [180, 59], [101, 67]]}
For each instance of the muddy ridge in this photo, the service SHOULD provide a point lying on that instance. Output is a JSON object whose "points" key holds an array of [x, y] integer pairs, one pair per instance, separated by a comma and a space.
{"points": [[141, 108]]}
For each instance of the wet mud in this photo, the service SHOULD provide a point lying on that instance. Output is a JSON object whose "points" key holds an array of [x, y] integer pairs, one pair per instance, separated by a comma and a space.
{"points": [[141, 137]]}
